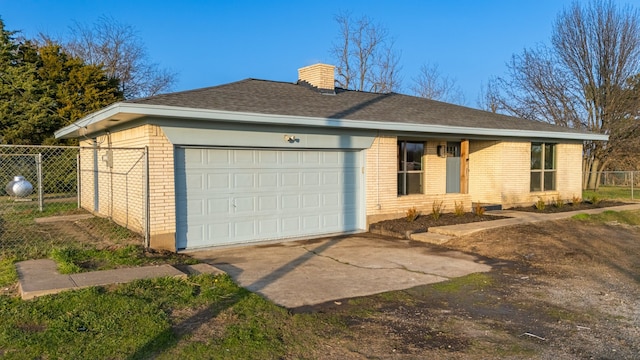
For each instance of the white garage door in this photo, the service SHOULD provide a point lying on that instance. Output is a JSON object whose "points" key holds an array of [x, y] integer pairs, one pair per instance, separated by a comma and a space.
{"points": [[226, 196]]}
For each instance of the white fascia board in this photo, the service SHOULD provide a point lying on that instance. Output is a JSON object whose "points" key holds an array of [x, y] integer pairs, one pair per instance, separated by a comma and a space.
{"points": [[94, 120]]}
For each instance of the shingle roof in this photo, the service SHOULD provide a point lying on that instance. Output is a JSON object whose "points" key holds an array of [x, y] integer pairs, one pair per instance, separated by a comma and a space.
{"points": [[281, 98]]}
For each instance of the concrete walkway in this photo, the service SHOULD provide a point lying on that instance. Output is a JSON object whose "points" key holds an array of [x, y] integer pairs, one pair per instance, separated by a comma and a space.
{"points": [[442, 234], [41, 277]]}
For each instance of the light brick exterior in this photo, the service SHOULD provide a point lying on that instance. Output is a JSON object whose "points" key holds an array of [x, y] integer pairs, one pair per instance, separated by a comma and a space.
{"points": [[382, 197], [121, 198], [321, 76], [499, 173]]}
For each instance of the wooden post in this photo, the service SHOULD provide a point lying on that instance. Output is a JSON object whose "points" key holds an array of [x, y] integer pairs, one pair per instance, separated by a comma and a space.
{"points": [[464, 167]]}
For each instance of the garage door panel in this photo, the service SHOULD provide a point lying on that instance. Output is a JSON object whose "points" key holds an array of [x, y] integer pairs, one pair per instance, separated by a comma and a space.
{"points": [[311, 179], [268, 180], [311, 157], [311, 222], [243, 158], [245, 229], [290, 157], [217, 181], [243, 181], [220, 158], [267, 203], [290, 225], [331, 200], [330, 178], [331, 220], [289, 179], [268, 227], [218, 206], [244, 204], [310, 201], [254, 195], [215, 231], [289, 202], [267, 158]]}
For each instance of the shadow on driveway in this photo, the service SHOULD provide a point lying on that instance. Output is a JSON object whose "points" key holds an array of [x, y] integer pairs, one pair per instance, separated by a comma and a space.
{"points": [[302, 273]]}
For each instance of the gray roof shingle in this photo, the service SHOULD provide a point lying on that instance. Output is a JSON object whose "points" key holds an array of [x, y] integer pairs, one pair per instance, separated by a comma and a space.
{"points": [[281, 98]]}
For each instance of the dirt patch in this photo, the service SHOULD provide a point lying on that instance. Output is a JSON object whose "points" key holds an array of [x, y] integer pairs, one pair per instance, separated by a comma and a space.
{"points": [[402, 228], [563, 289], [557, 208]]}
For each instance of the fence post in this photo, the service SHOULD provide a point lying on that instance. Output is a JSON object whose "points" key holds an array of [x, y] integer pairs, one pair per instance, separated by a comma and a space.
{"points": [[78, 179], [147, 222], [40, 192], [632, 185]]}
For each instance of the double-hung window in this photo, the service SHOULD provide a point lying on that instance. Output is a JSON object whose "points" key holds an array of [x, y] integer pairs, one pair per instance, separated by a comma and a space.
{"points": [[410, 167], [543, 167]]}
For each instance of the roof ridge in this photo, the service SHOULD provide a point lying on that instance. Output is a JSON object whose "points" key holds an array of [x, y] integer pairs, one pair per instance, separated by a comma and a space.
{"points": [[207, 88]]}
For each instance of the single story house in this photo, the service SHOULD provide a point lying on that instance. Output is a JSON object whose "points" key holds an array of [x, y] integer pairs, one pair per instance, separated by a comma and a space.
{"points": [[258, 160]]}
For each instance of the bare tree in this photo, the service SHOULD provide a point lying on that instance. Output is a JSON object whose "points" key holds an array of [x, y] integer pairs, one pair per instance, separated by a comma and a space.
{"points": [[583, 79], [431, 84], [119, 50], [365, 56], [489, 98]]}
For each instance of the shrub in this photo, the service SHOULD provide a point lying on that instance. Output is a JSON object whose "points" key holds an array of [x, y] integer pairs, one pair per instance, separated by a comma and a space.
{"points": [[437, 209], [479, 209], [458, 209], [559, 203], [595, 200], [412, 214], [540, 204], [575, 200]]}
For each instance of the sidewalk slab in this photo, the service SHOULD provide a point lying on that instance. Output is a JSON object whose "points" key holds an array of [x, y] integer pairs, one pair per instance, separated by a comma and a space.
{"points": [[50, 219], [431, 237], [120, 276], [517, 218], [41, 277]]}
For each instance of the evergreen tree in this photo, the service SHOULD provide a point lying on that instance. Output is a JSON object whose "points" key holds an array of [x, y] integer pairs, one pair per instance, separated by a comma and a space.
{"points": [[43, 89]]}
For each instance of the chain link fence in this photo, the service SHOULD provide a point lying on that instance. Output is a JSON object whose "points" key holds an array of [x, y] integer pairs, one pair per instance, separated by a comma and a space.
{"points": [[622, 185], [53, 196]]}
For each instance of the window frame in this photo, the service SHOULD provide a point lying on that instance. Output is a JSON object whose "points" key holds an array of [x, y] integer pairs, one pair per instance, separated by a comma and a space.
{"points": [[402, 185], [542, 170]]}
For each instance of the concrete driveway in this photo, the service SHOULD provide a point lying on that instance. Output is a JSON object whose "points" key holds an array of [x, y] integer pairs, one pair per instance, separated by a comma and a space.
{"points": [[310, 272]]}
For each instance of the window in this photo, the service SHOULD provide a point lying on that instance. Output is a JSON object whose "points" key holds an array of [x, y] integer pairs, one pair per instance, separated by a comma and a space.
{"points": [[543, 167], [410, 167]]}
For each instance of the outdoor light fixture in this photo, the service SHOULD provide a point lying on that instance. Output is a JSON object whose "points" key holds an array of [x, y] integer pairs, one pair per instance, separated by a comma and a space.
{"points": [[291, 138], [441, 151]]}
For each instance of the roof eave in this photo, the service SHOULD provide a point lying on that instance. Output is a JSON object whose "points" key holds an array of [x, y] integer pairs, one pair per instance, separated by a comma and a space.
{"points": [[123, 112]]}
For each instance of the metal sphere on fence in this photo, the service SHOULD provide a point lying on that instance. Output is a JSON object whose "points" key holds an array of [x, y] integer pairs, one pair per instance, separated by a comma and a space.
{"points": [[19, 187]]}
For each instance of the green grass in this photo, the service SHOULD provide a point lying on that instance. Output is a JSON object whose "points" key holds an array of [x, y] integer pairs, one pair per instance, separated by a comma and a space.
{"points": [[612, 193], [623, 217], [72, 259], [8, 274], [475, 281], [138, 321]]}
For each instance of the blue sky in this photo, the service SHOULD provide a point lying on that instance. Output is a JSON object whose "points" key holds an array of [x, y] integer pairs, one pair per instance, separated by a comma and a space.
{"points": [[214, 42]]}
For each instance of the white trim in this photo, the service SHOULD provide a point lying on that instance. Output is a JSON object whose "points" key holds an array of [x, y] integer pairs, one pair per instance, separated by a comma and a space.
{"points": [[99, 121]]}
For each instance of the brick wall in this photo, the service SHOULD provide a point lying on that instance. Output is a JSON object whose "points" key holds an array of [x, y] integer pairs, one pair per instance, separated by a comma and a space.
{"points": [[569, 173], [382, 197], [499, 173], [121, 187]]}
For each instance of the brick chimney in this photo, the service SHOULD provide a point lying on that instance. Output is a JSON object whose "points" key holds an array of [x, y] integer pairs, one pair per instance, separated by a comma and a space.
{"points": [[318, 75]]}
